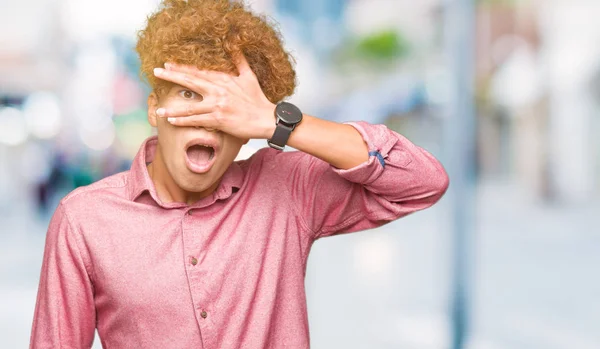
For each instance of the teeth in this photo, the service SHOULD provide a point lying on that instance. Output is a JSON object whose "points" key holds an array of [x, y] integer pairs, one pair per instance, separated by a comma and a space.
{"points": [[203, 145]]}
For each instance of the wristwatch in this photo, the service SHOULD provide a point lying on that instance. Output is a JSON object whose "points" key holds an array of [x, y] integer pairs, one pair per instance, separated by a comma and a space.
{"points": [[287, 117]]}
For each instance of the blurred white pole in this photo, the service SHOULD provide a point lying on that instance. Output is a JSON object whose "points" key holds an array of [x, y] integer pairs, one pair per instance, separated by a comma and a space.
{"points": [[460, 151]]}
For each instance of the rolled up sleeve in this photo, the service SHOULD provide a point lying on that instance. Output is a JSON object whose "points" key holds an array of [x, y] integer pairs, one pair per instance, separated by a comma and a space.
{"points": [[399, 178], [65, 315]]}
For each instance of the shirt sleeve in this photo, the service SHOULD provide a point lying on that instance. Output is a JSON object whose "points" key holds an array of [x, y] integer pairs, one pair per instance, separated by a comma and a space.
{"points": [[65, 315], [399, 178]]}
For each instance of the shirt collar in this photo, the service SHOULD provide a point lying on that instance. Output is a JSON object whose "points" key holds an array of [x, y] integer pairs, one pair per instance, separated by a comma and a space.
{"points": [[140, 181]]}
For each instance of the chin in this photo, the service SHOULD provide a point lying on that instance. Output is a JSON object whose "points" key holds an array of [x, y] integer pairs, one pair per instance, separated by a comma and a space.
{"points": [[195, 183]]}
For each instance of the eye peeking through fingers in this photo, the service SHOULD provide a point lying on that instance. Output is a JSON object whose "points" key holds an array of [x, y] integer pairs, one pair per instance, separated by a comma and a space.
{"points": [[187, 94]]}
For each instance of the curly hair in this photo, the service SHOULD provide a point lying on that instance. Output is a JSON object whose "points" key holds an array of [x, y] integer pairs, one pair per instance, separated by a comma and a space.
{"points": [[207, 34]]}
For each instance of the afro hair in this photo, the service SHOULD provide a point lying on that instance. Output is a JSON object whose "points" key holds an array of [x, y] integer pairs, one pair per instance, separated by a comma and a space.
{"points": [[208, 34]]}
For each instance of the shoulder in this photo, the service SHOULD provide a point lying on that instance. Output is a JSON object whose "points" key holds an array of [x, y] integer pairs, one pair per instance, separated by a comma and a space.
{"points": [[268, 157], [95, 194], [268, 164], [275, 168]]}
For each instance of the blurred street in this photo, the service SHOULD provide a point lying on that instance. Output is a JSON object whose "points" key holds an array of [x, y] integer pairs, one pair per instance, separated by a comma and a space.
{"points": [[536, 273]]}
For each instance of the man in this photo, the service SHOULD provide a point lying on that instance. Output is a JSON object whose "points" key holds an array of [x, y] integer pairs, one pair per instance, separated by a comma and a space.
{"points": [[189, 249]]}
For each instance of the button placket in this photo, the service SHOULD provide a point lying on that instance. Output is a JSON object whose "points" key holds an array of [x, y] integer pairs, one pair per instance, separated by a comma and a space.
{"points": [[193, 243]]}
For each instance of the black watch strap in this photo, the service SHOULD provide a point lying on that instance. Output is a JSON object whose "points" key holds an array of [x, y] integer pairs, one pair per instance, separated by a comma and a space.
{"points": [[288, 116], [280, 136]]}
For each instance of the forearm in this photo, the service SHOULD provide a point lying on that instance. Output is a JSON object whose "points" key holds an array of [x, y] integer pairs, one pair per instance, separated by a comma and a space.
{"points": [[391, 176], [340, 145]]}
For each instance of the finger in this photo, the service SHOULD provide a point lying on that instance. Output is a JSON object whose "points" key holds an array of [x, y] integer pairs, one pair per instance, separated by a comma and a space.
{"points": [[204, 120], [183, 68], [242, 64], [187, 110], [193, 82], [210, 75]]}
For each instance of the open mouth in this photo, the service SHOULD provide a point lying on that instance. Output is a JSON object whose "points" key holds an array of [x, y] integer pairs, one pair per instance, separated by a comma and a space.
{"points": [[200, 157], [200, 154]]}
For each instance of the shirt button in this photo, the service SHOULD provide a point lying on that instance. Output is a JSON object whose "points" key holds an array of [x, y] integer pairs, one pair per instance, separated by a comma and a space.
{"points": [[194, 261], [204, 314], [190, 212]]}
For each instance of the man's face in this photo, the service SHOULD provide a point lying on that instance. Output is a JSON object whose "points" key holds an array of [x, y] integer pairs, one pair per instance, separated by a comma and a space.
{"points": [[195, 158]]}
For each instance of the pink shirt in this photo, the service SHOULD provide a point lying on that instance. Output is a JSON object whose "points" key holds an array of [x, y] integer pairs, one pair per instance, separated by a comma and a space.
{"points": [[227, 271]]}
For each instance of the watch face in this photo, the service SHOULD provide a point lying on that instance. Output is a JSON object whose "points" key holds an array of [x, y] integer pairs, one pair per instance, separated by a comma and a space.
{"points": [[288, 113]]}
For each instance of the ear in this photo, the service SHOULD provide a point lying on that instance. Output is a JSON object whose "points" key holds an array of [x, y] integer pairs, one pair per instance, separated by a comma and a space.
{"points": [[152, 106]]}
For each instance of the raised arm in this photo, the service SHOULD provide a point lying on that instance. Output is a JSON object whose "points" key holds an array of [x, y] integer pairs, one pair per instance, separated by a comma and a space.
{"points": [[335, 192]]}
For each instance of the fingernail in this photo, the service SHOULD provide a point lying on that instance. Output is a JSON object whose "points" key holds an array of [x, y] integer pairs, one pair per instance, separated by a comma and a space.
{"points": [[171, 120], [158, 71], [160, 111]]}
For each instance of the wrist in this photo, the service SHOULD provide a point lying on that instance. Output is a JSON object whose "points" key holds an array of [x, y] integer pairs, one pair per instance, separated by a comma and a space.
{"points": [[269, 123], [287, 117]]}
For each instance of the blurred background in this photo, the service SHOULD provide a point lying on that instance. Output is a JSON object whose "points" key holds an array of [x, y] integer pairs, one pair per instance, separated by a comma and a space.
{"points": [[505, 93]]}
